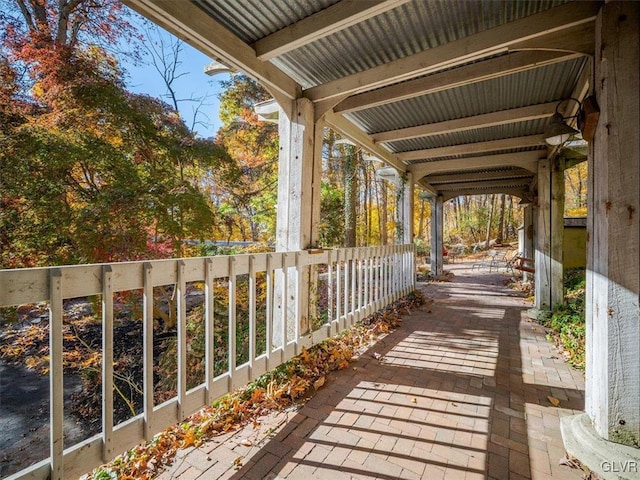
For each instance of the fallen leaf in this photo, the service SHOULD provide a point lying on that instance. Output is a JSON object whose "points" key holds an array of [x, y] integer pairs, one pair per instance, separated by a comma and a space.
{"points": [[189, 439], [318, 383], [414, 400], [569, 462], [554, 401]]}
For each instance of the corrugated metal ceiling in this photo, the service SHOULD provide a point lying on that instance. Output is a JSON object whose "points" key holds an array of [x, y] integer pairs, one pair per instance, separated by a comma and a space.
{"points": [[497, 132], [411, 28], [540, 148], [531, 87]]}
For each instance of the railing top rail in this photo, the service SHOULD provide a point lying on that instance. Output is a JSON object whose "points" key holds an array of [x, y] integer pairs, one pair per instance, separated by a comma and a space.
{"points": [[31, 285]]}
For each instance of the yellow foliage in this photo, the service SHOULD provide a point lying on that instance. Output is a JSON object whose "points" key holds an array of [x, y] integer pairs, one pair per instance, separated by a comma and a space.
{"points": [[189, 439], [305, 355]]}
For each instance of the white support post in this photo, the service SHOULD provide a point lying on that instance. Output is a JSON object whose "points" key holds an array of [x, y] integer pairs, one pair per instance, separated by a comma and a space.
{"points": [[613, 256], [298, 206], [436, 236], [557, 232], [549, 290], [528, 234]]}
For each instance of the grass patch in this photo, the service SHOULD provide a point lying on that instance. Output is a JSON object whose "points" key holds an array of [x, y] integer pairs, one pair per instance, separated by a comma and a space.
{"points": [[567, 322]]}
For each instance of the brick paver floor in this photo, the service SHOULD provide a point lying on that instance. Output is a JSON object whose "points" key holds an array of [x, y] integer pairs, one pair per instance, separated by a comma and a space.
{"points": [[461, 392]]}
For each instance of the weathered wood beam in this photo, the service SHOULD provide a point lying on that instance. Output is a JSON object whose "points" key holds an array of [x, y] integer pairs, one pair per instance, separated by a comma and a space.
{"points": [[477, 176], [465, 75], [426, 186], [526, 160], [516, 192], [485, 184], [502, 117], [347, 129], [463, 50], [472, 148], [194, 26], [321, 24], [577, 39]]}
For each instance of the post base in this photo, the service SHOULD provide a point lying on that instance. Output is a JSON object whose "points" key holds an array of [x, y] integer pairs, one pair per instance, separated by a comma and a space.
{"points": [[608, 459]]}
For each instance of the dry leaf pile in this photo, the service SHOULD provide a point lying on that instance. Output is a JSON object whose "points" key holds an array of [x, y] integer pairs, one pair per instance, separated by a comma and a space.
{"points": [[291, 382]]}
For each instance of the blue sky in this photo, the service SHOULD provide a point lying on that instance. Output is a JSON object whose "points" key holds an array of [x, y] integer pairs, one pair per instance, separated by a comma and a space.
{"points": [[194, 83]]}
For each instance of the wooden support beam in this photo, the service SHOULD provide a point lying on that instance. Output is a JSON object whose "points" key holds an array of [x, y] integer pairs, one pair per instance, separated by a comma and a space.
{"points": [[577, 39], [516, 192], [477, 176], [458, 77], [347, 129], [187, 21], [531, 112], [427, 187], [466, 49], [504, 183], [472, 148], [613, 249], [526, 160], [437, 220], [321, 24]]}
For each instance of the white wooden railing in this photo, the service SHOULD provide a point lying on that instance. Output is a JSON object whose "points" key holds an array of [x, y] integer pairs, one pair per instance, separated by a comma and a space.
{"points": [[356, 282]]}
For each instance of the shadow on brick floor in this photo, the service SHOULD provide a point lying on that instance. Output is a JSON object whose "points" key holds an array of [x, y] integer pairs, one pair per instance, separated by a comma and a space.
{"points": [[461, 391]]}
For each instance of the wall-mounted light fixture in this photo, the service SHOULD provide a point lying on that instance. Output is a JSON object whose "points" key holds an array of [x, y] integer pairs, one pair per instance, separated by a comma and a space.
{"points": [[216, 67], [559, 131], [387, 173]]}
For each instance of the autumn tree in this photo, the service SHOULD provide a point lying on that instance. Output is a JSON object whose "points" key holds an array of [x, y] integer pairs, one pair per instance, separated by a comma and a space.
{"points": [[247, 206], [89, 171]]}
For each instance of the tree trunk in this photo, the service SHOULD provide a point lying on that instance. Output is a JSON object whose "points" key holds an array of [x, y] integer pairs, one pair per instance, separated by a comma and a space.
{"points": [[383, 213], [350, 190], [421, 221], [500, 238], [491, 207]]}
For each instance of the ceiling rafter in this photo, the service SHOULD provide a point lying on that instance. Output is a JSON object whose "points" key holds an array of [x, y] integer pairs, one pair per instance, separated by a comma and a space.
{"points": [[457, 77], [477, 176], [472, 148], [485, 184], [502, 117], [321, 24], [526, 160], [486, 43], [523, 193], [187, 21], [345, 128]]}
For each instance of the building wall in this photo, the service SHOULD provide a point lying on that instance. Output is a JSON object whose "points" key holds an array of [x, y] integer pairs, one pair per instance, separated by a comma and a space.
{"points": [[574, 243]]}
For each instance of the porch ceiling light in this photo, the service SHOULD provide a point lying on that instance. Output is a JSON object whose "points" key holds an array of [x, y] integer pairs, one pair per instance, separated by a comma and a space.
{"points": [[216, 67], [387, 173], [367, 157], [558, 131], [344, 141]]}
